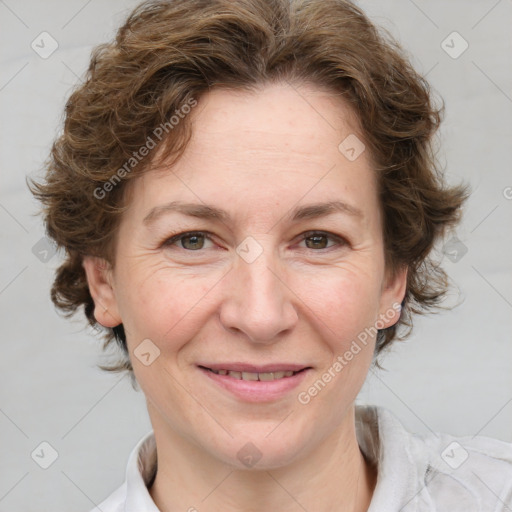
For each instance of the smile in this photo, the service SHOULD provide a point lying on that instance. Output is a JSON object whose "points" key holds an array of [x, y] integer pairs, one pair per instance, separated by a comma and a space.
{"points": [[264, 376], [250, 383]]}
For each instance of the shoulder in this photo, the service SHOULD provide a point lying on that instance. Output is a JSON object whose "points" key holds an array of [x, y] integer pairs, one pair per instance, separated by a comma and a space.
{"points": [[478, 469], [434, 471]]}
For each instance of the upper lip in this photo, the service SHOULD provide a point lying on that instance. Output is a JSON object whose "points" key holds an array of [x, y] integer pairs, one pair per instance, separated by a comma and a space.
{"points": [[252, 368]]}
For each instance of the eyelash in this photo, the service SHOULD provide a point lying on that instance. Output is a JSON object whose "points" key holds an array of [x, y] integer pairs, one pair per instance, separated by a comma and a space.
{"points": [[308, 234]]}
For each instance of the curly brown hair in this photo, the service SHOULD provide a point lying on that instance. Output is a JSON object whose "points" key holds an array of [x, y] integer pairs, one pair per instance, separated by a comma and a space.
{"points": [[169, 53]]}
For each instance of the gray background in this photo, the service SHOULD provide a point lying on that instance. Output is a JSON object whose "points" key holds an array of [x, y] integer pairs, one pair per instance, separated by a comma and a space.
{"points": [[453, 375]]}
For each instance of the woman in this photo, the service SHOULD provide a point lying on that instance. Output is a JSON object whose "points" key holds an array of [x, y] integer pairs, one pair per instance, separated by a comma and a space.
{"points": [[248, 198]]}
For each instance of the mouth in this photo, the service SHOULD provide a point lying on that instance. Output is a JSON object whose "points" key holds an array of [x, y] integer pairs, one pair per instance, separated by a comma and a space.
{"points": [[265, 376], [250, 383]]}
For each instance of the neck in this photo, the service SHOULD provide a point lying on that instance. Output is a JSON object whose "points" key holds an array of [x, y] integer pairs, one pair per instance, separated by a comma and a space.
{"points": [[334, 476]]}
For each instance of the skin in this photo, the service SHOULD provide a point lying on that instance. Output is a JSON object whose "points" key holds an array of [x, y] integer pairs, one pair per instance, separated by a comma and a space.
{"points": [[257, 155]]}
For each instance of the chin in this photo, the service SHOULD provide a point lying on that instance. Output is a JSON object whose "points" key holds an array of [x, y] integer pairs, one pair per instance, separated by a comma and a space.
{"points": [[262, 452]]}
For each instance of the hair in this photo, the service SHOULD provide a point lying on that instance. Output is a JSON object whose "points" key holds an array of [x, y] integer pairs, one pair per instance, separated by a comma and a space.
{"points": [[169, 53]]}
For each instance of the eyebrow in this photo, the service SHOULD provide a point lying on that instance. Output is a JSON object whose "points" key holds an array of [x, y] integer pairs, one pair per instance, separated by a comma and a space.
{"points": [[205, 211]]}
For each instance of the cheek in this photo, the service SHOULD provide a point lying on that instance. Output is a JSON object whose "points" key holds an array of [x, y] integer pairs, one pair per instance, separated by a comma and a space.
{"points": [[345, 301], [343, 309], [346, 311], [161, 306]]}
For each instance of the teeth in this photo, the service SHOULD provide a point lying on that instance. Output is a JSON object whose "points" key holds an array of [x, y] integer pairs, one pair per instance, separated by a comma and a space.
{"points": [[254, 376]]}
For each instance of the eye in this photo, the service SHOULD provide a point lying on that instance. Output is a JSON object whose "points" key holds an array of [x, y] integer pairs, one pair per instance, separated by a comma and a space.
{"points": [[190, 241], [319, 240], [195, 240]]}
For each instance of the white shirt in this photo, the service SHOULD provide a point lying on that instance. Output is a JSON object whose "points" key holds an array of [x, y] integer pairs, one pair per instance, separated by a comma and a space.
{"points": [[430, 472]]}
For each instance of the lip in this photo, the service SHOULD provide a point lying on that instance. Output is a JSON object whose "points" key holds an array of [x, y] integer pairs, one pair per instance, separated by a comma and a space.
{"points": [[256, 391], [246, 367]]}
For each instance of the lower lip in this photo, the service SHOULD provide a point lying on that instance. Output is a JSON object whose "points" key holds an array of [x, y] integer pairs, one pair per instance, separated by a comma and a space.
{"points": [[256, 390]]}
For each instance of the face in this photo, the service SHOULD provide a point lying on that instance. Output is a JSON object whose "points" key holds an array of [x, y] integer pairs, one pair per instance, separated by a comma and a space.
{"points": [[269, 284]]}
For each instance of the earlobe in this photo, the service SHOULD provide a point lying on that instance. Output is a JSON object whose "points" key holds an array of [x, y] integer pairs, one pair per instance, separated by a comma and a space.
{"points": [[99, 280]]}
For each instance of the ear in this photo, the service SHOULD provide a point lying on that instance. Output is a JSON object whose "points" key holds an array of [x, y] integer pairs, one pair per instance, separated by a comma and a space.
{"points": [[99, 279], [392, 294]]}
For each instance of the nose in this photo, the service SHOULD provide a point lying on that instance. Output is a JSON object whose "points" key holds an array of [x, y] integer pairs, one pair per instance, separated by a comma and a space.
{"points": [[258, 301]]}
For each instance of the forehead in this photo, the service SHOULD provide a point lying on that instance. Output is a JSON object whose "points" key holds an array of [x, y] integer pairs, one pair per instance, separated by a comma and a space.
{"points": [[272, 146], [274, 119]]}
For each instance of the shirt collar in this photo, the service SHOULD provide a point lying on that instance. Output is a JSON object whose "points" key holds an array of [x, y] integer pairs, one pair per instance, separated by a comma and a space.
{"points": [[387, 445], [140, 472]]}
